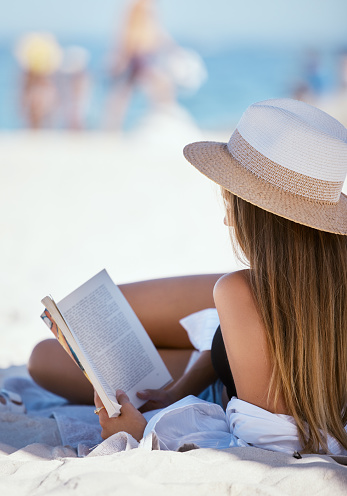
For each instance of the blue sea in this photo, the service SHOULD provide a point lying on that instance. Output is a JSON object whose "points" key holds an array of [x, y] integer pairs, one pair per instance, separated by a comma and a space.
{"points": [[236, 77]]}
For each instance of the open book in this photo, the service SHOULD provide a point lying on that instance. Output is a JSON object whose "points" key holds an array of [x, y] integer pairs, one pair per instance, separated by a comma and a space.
{"points": [[98, 328]]}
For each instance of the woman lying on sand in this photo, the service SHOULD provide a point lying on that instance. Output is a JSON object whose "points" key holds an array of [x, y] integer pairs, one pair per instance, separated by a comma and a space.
{"points": [[281, 347]]}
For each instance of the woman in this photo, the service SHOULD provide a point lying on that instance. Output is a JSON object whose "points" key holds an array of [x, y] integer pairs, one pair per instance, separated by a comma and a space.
{"points": [[139, 62], [281, 348]]}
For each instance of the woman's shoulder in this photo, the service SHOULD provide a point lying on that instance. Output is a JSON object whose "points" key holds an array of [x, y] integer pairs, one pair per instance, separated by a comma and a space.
{"points": [[229, 280], [233, 290], [236, 306]]}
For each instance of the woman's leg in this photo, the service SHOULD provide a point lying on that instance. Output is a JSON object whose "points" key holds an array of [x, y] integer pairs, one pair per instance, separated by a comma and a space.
{"points": [[159, 304], [53, 369]]}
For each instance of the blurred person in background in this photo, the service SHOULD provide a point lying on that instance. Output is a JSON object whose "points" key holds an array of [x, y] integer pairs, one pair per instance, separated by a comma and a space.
{"points": [[147, 57], [39, 56], [75, 87]]}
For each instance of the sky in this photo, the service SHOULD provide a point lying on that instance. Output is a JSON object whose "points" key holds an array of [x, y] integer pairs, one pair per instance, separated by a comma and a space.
{"points": [[200, 22]]}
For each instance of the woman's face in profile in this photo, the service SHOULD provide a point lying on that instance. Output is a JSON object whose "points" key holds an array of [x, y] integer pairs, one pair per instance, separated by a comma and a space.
{"points": [[227, 218]]}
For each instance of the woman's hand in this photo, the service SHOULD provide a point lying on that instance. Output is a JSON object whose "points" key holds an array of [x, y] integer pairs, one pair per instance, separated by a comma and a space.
{"points": [[130, 419], [199, 376], [156, 398]]}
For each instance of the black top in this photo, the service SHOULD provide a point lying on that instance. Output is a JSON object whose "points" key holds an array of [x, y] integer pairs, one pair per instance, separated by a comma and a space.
{"points": [[221, 364]]}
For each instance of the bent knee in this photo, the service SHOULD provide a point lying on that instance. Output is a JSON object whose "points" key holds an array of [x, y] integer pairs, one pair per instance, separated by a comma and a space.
{"points": [[40, 359]]}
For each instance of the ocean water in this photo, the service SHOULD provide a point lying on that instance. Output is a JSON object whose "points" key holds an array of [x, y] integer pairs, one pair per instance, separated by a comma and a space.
{"points": [[236, 77]]}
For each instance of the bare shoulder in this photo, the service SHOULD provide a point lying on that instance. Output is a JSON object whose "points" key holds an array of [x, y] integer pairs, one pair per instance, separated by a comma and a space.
{"points": [[244, 337], [232, 282], [234, 298]]}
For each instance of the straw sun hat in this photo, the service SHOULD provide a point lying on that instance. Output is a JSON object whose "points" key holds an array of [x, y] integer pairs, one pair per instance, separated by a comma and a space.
{"points": [[286, 157]]}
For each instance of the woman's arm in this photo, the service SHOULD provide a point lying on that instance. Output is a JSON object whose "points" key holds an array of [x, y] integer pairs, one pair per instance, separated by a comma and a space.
{"points": [[199, 376], [245, 341]]}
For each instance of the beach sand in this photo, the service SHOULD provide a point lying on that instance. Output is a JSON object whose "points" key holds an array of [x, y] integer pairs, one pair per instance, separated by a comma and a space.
{"points": [[75, 203]]}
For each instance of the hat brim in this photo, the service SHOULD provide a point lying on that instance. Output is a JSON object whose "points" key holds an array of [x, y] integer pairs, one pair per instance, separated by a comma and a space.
{"points": [[214, 160]]}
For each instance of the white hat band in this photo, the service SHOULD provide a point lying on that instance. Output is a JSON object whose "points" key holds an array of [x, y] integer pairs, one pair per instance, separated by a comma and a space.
{"points": [[318, 190]]}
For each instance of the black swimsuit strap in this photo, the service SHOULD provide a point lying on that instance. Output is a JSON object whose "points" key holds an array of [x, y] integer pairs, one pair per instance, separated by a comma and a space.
{"points": [[221, 364]]}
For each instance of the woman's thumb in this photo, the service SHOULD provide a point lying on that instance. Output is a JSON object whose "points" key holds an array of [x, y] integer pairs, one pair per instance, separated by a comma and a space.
{"points": [[122, 397]]}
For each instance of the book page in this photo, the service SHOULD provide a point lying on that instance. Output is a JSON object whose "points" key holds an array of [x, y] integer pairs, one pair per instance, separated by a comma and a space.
{"points": [[56, 323], [113, 339]]}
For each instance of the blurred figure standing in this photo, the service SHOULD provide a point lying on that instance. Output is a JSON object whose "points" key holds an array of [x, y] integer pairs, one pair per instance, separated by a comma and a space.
{"points": [[75, 87], [39, 56], [138, 61]]}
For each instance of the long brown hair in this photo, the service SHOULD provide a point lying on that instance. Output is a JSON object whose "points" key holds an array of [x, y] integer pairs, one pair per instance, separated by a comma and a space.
{"points": [[299, 280]]}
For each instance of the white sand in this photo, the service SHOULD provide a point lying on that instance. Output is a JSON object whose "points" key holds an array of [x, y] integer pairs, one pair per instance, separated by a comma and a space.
{"points": [[41, 470], [72, 204]]}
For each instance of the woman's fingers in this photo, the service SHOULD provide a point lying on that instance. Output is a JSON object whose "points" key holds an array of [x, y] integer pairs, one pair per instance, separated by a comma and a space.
{"points": [[151, 394], [145, 394], [130, 420], [97, 400], [156, 398], [122, 397], [152, 397]]}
